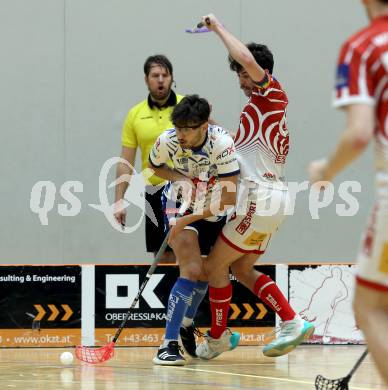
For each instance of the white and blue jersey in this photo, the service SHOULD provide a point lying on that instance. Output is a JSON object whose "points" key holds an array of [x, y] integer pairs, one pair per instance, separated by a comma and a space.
{"points": [[214, 159]]}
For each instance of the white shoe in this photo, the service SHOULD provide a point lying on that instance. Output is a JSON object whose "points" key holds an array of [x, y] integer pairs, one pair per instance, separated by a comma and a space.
{"points": [[211, 348], [292, 333]]}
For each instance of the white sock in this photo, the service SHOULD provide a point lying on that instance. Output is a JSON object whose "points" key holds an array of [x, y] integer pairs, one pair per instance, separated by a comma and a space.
{"points": [[187, 322], [165, 343]]}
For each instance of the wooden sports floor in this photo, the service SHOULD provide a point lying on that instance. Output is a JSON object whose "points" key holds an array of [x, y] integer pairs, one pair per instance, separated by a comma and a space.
{"points": [[132, 369]]}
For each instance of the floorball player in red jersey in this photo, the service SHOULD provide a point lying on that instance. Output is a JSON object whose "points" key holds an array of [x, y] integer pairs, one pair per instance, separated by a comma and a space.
{"points": [[362, 91], [261, 148]]}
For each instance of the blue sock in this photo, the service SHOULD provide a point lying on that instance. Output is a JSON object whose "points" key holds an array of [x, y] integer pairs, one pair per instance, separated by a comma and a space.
{"points": [[178, 302], [196, 299]]}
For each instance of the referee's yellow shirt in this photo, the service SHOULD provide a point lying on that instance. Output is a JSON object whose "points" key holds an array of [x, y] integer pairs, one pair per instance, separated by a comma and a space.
{"points": [[143, 125]]}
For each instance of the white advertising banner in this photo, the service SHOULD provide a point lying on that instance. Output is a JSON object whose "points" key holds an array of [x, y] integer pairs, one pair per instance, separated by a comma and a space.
{"points": [[323, 294]]}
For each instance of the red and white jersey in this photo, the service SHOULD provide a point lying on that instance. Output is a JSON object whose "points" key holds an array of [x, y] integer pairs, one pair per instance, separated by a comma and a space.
{"points": [[262, 138], [362, 78]]}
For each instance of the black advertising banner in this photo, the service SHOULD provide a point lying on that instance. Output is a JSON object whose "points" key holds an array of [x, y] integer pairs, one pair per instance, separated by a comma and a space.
{"points": [[117, 286], [40, 306]]}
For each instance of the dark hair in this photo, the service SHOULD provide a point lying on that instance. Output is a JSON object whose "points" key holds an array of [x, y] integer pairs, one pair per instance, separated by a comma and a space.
{"points": [[191, 110], [158, 59], [262, 55]]}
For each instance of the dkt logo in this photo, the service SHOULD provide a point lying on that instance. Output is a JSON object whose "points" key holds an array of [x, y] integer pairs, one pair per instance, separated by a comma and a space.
{"points": [[129, 284]]}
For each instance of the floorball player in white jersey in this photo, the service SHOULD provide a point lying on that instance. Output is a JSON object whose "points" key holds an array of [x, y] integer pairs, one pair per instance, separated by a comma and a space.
{"points": [[205, 169], [261, 144]]}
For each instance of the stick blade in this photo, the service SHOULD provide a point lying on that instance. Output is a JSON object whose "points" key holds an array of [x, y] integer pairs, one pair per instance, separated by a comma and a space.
{"points": [[197, 30], [322, 383], [94, 355]]}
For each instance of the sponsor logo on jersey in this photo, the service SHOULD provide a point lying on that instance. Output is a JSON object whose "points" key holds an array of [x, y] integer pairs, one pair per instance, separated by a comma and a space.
{"points": [[269, 176], [227, 162], [227, 152], [342, 78], [383, 263], [280, 159], [255, 239], [244, 225]]}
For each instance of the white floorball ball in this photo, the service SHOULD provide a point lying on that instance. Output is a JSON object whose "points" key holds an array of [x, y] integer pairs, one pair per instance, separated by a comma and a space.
{"points": [[66, 358]]}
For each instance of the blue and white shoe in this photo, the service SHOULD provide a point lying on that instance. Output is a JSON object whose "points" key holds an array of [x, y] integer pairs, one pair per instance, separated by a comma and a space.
{"points": [[211, 348], [170, 355], [292, 333]]}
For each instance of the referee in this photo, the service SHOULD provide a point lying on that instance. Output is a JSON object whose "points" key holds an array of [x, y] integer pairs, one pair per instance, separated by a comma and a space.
{"points": [[143, 125]]}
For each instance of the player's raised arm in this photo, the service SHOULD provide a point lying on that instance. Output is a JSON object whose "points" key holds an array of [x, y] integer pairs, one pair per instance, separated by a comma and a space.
{"points": [[236, 48]]}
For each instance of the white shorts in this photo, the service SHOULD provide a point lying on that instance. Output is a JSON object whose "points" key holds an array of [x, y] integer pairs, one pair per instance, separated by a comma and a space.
{"points": [[249, 230], [372, 267]]}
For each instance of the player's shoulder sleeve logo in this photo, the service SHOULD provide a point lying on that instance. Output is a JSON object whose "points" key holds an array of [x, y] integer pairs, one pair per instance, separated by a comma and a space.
{"points": [[157, 144], [228, 151], [342, 76], [224, 147]]}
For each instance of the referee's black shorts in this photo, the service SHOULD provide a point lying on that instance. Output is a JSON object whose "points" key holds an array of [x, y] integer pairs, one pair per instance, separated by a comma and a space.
{"points": [[155, 234]]}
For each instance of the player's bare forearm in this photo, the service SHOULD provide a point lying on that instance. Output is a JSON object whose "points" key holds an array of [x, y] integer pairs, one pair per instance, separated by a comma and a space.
{"points": [[235, 47], [354, 140], [228, 200], [167, 173], [239, 52], [347, 150], [122, 169], [226, 203], [207, 212]]}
